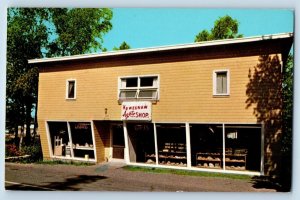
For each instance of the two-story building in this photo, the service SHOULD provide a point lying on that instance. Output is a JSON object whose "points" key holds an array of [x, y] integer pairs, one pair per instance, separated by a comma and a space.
{"points": [[213, 106]]}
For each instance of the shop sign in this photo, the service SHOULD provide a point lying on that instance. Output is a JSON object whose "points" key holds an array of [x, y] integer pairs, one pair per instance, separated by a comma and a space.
{"points": [[140, 110]]}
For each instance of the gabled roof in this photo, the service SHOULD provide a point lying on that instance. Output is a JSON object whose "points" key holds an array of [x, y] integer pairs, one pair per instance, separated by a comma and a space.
{"points": [[164, 48]]}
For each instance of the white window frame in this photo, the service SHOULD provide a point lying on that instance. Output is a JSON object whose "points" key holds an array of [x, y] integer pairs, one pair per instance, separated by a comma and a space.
{"points": [[67, 88], [215, 82], [139, 88]]}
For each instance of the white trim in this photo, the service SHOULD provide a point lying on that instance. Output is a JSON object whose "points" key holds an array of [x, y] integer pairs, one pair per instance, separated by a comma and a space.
{"points": [[74, 158], [94, 142], [70, 139], [166, 48], [188, 145], [67, 89], [49, 139], [155, 143], [215, 82], [126, 149], [223, 147]]}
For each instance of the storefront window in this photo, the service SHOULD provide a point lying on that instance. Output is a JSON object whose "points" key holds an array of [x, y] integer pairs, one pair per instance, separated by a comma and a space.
{"points": [[59, 138], [141, 143], [81, 134], [171, 141], [243, 144], [80, 145], [206, 145]]}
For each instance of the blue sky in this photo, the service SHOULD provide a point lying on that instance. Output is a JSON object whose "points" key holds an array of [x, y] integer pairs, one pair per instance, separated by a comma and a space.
{"points": [[148, 27]]}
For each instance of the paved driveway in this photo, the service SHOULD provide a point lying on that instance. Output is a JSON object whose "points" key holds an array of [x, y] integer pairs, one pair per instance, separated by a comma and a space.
{"points": [[112, 177]]}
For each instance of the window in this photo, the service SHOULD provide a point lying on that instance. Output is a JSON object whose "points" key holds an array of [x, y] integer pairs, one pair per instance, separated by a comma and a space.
{"points": [[221, 82], [71, 89], [139, 87], [71, 140]]}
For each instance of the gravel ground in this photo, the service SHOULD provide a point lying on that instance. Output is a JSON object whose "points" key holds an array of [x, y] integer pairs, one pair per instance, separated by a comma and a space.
{"points": [[112, 177]]}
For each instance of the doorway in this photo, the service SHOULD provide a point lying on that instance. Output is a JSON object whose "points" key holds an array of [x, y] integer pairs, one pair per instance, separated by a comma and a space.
{"points": [[118, 143]]}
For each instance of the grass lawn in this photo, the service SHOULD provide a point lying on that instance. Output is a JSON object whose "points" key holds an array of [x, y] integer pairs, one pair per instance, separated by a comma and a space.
{"points": [[188, 172]]}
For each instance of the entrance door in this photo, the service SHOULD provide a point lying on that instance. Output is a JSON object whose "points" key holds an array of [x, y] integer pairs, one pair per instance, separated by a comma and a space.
{"points": [[118, 143]]}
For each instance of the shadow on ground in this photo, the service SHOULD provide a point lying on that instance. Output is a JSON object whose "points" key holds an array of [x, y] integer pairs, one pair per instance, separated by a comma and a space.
{"points": [[69, 184], [265, 182]]}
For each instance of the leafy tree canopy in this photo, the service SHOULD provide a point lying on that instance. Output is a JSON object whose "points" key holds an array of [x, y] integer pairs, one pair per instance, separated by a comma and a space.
{"points": [[36, 33], [224, 28], [123, 46]]}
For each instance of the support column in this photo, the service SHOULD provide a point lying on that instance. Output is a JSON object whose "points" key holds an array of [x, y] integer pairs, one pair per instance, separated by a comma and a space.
{"points": [[223, 132], [70, 140], [188, 144], [126, 149], [262, 149], [155, 143]]}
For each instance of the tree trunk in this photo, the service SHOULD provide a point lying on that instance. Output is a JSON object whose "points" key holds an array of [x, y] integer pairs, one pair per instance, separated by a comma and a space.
{"points": [[28, 122], [17, 138], [35, 123]]}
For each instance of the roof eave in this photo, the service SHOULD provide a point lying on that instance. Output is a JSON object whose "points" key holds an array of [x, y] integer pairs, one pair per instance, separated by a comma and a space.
{"points": [[163, 48]]}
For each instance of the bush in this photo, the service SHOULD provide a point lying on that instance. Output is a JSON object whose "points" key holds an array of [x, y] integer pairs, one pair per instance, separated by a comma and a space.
{"points": [[35, 152], [12, 150]]}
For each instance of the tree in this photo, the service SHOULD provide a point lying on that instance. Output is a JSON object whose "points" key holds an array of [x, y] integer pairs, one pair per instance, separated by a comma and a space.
{"points": [[224, 28], [26, 35], [123, 46], [78, 31], [35, 33], [287, 116]]}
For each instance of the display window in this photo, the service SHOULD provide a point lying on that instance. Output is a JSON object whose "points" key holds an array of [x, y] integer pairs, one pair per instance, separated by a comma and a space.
{"points": [[206, 145], [82, 140], [242, 147], [59, 138], [141, 143], [171, 142], [71, 140]]}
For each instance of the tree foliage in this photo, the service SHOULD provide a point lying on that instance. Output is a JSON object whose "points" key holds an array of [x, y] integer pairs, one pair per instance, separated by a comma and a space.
{"points": [[288, 103], [224, 28], [123, 46], [36, 33], [78, 31]]}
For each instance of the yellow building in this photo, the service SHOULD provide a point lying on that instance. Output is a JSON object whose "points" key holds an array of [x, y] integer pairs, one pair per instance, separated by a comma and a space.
{"points": [[213, 106]]}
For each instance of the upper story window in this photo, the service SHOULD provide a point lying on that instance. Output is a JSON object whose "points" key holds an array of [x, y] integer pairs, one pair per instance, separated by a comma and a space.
{"points": [[221, 82], [71, 89], [139, 87]]}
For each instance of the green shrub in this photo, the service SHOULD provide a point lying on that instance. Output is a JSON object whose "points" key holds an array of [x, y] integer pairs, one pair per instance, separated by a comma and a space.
{"points": [[35, 152]]}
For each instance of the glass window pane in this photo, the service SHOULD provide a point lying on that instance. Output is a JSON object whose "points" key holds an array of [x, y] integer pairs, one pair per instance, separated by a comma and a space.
{"points": [[71, 89], [206, 145], [128, 94], [243, 147], [147, 81], [131, 82], [221, 82], [147, 94], [59, 138], [171, 142], [83, 146]]}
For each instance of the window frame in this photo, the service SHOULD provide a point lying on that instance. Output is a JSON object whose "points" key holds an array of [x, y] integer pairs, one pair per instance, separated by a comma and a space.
{"points": [[215, 72], [67, 89], [139, 88]]}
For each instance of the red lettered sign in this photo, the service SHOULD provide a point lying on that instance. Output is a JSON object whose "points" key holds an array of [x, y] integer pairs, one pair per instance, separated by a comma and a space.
{"points": [[140, 110]]}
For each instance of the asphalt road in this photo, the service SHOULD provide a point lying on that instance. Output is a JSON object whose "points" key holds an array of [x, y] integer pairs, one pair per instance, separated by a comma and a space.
{"points": [[112, 177]]}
